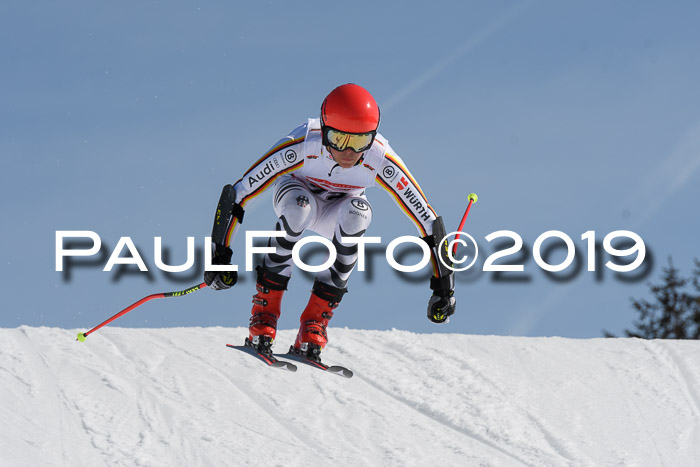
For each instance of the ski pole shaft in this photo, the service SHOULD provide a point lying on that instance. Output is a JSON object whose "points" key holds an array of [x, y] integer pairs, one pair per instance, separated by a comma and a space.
{"points": [[472, 199], [83, 335]]}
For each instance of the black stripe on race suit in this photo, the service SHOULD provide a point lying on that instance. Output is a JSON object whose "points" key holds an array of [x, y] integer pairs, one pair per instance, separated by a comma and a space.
{"points": [[276, 268], [281, 242], [342, 267], [288, 229], [286, 189], [337, 281], [343, 249], [346, 250], [275, 258]]}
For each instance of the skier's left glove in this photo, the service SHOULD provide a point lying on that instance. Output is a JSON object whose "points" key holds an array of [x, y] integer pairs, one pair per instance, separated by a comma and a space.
{"points": [[441, 305], [221, 280]]}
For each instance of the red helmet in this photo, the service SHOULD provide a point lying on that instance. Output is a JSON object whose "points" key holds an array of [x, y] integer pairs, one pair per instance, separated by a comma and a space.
{"points": [[350, 108]]}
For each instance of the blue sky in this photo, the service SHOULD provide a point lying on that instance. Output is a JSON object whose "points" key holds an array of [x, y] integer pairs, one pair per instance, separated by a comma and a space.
{"points": [[127, 119]]}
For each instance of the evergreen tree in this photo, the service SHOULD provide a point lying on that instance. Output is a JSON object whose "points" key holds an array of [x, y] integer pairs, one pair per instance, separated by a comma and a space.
{"points": [[674, 312]]}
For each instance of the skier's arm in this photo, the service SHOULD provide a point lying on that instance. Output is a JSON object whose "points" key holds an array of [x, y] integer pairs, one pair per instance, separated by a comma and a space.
{"points": [[284, 157], [227, 213], [442, 303], [396, 179]]}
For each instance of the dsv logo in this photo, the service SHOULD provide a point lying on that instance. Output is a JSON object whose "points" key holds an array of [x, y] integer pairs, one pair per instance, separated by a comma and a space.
{"points": [[359, 204]]}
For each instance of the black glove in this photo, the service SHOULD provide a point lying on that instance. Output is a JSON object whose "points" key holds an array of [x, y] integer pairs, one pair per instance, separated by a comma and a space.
{"points": [[441, 305], [221, 280]]}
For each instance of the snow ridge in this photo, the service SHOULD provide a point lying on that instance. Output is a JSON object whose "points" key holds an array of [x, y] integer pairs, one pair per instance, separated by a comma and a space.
{"points": [[178, 396]]}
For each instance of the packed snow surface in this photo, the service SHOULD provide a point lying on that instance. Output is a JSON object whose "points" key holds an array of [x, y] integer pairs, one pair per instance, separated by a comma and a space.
{"points": [[180, 397]]}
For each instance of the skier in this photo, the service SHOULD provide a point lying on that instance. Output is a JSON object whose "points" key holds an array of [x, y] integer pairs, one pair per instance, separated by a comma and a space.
{"points": [[320, 173]]}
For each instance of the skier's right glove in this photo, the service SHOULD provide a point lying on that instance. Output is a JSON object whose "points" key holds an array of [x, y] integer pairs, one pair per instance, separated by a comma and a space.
{"points": [[221, 280], [441, 305]]}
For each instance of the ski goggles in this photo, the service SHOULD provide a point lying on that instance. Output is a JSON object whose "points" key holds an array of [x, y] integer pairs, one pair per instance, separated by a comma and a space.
{"points": [[340, 141]]}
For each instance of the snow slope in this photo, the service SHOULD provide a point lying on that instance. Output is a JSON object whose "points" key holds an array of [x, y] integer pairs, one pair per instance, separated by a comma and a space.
{"points": [[180, 397]]}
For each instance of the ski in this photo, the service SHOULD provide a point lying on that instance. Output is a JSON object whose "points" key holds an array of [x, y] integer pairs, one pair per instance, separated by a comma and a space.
{"points": [[269, 360], [334, 369], [280, 361]]}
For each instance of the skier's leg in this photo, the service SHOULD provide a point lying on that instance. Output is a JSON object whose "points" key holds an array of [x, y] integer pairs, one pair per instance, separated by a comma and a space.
{"points": [[296, 209], [351, 216], [312, 336], [266, 309]]}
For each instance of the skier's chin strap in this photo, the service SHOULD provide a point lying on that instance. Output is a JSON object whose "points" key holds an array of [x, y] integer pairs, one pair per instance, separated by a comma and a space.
{"points": [[444, 282], [359, 161]]}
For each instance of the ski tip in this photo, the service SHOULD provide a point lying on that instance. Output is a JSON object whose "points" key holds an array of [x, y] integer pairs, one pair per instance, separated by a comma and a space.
{"points": [[81, 337], [341, 371], [285, 366], [270, 360]]}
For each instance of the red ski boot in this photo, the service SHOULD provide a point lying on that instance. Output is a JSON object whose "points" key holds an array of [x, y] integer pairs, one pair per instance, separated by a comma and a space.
{"points": [[266, 309], [312, 336]]}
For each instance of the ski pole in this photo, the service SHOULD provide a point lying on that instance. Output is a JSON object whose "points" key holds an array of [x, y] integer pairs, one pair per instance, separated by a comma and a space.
{"points": [[83, 335], [472, 199]]}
